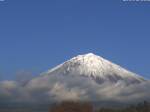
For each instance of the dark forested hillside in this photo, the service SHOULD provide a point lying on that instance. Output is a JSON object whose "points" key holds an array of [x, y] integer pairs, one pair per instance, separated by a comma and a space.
{"points": [[87, 107]]}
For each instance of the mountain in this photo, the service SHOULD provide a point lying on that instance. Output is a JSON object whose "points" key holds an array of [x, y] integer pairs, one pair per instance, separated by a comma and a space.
{"points": [[88, 77], [95, 67], [85, 77]]}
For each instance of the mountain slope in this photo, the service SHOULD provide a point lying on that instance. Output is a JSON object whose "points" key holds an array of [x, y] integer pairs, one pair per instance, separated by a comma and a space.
{"points": [[83, 78], [95, 67], [88, 77]]}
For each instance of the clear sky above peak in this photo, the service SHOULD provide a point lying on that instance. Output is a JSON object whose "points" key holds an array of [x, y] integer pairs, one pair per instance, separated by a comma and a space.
{"points": [[37, 35]]}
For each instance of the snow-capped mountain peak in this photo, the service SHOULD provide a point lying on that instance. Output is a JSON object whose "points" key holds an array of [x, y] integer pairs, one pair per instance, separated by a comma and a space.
{"points": [[89, 77], [95, 67]]}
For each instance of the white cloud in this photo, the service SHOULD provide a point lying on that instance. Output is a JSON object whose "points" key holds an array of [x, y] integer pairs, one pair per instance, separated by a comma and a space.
{"points": [[57, 88]]}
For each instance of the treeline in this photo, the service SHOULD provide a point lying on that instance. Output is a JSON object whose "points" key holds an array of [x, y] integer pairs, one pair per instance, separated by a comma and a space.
{"points": [[88, 107], [141, 107], [72, 107]]}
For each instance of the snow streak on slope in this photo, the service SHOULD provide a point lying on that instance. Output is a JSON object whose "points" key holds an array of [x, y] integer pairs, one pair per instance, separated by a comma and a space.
{"points": [[96, 67]]}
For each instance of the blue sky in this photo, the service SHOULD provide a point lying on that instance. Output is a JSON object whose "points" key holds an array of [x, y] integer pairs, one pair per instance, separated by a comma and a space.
{"points": [[37, 35]]}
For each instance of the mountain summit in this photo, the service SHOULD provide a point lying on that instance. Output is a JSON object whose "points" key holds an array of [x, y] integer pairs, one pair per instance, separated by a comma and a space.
{"points": [[89, 77], [95, 67]]}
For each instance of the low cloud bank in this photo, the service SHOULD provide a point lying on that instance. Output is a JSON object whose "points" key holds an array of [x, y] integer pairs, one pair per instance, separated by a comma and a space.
{"points": [[51, 88]]}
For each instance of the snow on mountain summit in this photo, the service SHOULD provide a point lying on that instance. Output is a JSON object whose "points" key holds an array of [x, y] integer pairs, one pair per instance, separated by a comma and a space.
{"points": [[88, 77], [95, 67]]}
